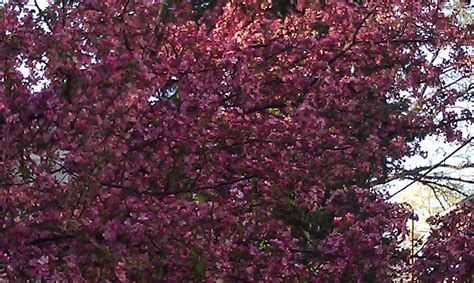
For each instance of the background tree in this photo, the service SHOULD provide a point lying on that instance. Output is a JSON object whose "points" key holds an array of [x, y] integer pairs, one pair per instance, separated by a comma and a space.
{"points": [[447, 253]]}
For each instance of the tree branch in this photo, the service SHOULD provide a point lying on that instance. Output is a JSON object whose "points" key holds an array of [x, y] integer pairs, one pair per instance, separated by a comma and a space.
{"points": [[151, 192], [43, 16], [432, 168], [53, 238]]}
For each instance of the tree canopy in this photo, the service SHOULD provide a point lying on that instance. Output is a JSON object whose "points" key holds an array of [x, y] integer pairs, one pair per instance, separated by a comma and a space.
{"points": [[224, 140]]}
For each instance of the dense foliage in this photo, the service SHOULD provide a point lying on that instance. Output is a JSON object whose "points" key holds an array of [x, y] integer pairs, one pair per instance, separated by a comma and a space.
{"points": [[449, 251], [237, 140]]}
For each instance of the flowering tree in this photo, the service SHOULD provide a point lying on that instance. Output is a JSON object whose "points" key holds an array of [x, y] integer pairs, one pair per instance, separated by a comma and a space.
{"points": [[205, 140], [448, 253]]}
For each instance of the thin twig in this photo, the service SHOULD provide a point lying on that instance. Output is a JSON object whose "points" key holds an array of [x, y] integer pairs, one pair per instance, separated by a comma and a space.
{"points": [[43, 16], [432, 168]]}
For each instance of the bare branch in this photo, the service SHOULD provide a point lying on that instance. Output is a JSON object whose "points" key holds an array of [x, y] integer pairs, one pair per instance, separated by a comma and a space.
{"points": [[433, 167], [43, 16]]}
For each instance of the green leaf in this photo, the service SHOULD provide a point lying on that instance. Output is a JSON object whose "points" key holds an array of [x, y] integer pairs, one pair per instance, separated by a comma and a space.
{"points": [[275, 112], [321, 27], [161, 271], [201, 267], [369, 277], [104, 255], [196, 251], [203, 197]]}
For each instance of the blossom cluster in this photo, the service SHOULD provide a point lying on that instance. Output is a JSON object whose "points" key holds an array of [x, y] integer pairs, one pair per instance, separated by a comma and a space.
{"points": [[217, 140]]}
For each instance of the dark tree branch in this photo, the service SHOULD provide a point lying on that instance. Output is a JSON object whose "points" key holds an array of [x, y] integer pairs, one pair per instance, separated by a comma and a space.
{"points": [[450, 188], [151, 192], [353, 40], [433, 189], [43, 16], [433, 167], [448, 178], [53, 238]]}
